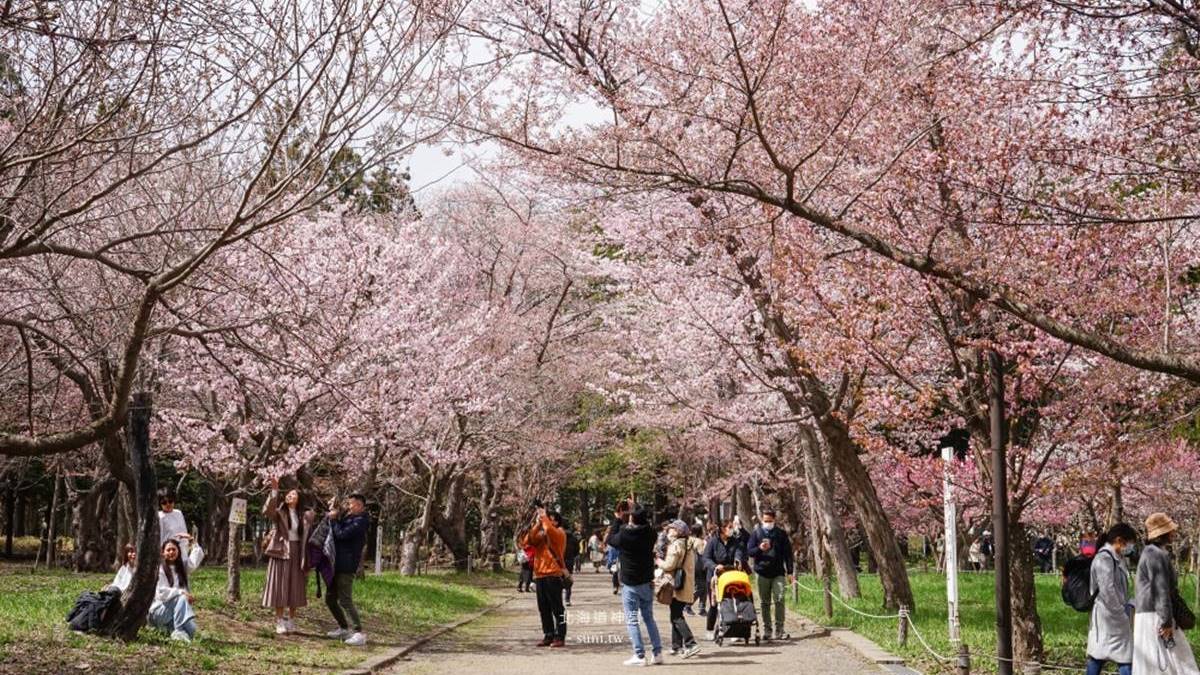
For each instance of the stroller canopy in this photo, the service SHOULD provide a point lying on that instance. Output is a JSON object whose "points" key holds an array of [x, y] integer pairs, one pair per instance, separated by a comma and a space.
{"points": [[734, 582]]}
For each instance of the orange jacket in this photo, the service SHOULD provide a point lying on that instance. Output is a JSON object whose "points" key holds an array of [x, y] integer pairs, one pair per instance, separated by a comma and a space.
{"points": [[549, 543]]}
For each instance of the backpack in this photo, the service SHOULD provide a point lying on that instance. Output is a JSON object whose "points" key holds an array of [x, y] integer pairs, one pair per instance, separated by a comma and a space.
{"points": [[1077, 583], [522, 558], [93, 610]]}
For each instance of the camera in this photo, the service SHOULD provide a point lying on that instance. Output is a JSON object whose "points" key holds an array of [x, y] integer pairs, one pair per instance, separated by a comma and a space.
{"points": [[537, 503]]}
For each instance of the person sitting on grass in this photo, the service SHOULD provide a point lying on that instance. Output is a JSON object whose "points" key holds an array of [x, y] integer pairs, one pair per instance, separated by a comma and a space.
{"points": [[125, 571], [172, 611]]}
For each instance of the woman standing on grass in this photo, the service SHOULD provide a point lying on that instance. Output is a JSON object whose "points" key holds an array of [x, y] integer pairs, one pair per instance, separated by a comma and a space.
{"points": [[287, 580], [1159, 647], [1110, 637], [172, 610]]}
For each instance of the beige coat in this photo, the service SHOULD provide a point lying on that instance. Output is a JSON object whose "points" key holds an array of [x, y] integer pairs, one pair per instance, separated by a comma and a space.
{"points": [[682, 553], [277, 538]]}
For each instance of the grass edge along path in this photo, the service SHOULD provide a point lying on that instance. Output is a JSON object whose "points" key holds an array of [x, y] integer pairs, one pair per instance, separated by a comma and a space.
{"points": [[235, 638], [1064, 630]]}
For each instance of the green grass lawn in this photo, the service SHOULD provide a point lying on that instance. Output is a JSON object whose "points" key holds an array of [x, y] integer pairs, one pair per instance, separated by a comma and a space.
{"points": [[236, 638], [1063, 629]]}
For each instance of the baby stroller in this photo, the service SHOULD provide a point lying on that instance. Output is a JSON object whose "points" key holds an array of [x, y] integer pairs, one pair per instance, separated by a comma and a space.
{"points": [[736, 618]]}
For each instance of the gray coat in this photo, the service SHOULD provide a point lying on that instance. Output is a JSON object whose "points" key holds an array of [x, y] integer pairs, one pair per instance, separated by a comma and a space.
{"points": [[1110, 633], [1155, 579]]}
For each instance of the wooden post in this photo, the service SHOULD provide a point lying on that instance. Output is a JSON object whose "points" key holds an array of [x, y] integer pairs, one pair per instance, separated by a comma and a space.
{"points": [[902, 627], [964, 660], [379, 548], [233, 564], [828, 595]]}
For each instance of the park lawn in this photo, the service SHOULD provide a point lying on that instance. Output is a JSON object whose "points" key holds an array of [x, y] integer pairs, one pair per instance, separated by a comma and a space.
{"points": [[1064, 630], [235, 638]]}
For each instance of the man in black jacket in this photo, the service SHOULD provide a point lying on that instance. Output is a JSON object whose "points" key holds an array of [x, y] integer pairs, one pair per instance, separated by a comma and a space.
{"points": [[349, 529], [771, 550], [725, 550], [635, 540]]}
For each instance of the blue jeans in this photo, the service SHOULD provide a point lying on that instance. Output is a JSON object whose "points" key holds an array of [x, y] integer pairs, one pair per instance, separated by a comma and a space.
{"points": [[635, 600], [1094, 666], [174, 614]]}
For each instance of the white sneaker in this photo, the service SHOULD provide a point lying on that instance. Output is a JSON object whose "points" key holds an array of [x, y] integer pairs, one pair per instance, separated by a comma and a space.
{"points": [[291, 625], [356, 640], [180, 636], [339, 634], [281, 627], [636, 661], [655, 660], [690, 652]]}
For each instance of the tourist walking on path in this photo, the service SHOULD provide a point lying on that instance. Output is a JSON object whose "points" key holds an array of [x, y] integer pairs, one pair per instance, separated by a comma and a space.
{"points": [[680, 562], [1110, 636], [1159, 646], [771, 550], [172, 610], [595, 549], [635, 540], [724, 551], [349, 528], [287, 577], [549, 542]]}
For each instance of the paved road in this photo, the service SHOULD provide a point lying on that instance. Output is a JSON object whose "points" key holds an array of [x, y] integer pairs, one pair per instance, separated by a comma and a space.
{"points": [[503, 642]]}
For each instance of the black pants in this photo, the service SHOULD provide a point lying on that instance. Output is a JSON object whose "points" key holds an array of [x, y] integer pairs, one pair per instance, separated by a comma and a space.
{"points": [[526, 577], [681, 634], [567, 589], [550, 607], [711, 624], [616, 580]]}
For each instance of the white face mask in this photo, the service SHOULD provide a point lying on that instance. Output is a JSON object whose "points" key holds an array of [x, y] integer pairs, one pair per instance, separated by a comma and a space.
{"points": [[768, 526]]}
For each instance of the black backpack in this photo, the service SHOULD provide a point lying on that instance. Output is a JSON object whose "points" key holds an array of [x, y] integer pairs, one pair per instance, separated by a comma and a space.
{"points": [[93, 610], [1077, 583]]}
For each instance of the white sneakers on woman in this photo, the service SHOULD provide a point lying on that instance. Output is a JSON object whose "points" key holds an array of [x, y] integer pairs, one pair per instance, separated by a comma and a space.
{"points": [[338, 634], [356, 640], [281, 627]]}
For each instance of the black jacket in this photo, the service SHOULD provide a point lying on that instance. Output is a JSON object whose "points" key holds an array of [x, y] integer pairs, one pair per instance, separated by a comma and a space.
{"points": [[636, 545], [349, 538], [719, 552], [776, 561]]}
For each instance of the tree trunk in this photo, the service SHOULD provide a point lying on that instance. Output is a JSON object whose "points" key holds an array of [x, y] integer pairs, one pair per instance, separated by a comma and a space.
{"points": [[821, 488], [20, 519], [745, 505], [871, 515], [135, 603], [1027, 626], [491, 488], [1116, 513], [10, 514], [450, 522], [94, 536], [585, 511], [415, 535]]}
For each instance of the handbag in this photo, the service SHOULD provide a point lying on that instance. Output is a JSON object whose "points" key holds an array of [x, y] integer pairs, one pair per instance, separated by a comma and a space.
{"points": [[664, 589]]}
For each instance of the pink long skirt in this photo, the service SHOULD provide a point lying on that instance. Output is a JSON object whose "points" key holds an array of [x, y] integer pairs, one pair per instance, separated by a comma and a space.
{"points": [[286, 583]]}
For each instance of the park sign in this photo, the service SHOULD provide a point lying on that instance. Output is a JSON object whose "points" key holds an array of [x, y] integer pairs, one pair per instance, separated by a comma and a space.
{"points": [[237, 511]]}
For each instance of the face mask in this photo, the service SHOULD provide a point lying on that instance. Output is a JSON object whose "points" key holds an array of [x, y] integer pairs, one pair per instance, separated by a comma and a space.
{"points": [[768, 526], [1130, 549]]}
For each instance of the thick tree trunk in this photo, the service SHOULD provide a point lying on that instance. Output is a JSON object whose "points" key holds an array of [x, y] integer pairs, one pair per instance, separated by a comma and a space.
{"points": [[135, 603], [821, 488], [450, 522], [94, 536], [1116, 512], [125, 510], [816, 544], [1027, 626], [414, 536], [871, 515], [19, 521]]}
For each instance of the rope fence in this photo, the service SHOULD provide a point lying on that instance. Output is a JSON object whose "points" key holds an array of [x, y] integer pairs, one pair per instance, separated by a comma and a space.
{"points": [[905, 625]]}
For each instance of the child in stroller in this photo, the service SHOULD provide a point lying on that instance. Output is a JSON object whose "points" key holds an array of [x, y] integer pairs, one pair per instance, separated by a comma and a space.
{"points": [[737, 618]]}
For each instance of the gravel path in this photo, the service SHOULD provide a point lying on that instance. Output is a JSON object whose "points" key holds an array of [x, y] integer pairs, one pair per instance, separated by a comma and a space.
{"points": [[503, 642]]}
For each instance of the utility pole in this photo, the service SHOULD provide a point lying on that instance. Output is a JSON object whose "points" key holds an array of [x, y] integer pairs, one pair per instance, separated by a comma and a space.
{"points": [[1004, 651]]}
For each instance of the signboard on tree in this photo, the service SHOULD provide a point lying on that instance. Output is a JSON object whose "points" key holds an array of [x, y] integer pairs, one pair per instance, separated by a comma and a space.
{"points": [[237, 511]]}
